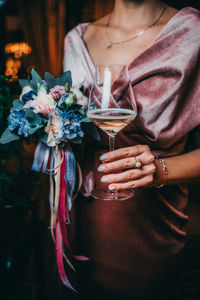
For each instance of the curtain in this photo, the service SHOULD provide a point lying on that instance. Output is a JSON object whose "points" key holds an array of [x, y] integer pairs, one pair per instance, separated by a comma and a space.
{"points": [[102, 7], [44, 27]]}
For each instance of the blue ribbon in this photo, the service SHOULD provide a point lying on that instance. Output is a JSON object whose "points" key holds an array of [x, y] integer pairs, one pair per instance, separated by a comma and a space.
{"points": [[70, 178], [41, 158]]}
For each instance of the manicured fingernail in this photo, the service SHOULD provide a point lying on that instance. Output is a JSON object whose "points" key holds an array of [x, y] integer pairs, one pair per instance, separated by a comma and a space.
{"points": [[101, 168], [104, 179], [111, 188], [102, 157]]}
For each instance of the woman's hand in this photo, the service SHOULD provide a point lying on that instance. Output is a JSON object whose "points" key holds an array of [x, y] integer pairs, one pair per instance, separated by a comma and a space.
{"points": [[121, 171]]}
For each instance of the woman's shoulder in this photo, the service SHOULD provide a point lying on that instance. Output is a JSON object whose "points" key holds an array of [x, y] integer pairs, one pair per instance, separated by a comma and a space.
{"points": [[82, 28], [191, 15], [78, 29], [184, 25], [86, 31], [190, 24]]}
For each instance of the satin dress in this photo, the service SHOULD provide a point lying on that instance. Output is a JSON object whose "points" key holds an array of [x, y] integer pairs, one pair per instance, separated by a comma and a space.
{"points": [[134, 245]]}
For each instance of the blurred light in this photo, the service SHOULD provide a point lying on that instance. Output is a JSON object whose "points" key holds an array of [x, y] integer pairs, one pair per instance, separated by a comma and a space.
{"points": [[10, 63], [18, 49], [18, 54], [18, 64], [12, 68], [2, 2], [8, 71], [14, 71], [13, 63]]}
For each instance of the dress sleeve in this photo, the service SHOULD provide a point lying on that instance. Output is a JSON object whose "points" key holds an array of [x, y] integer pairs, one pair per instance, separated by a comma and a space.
{"points": [[65, 67]]}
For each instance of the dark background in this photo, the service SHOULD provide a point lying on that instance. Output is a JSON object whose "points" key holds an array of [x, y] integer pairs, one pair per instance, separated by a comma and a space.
{"points": [[27, 260]]}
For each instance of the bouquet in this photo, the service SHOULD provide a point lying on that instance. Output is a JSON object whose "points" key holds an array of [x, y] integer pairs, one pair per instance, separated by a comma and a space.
{"points": [[53, 111]]}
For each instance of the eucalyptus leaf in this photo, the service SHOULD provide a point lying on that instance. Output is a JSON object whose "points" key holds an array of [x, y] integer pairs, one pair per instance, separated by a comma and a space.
{"points": [[77, 140], [65, 77], [18, 104], [24, 82], [81, 111], [77, 107], [44, 137], [8, 136], [50, 80], [86, 120], [35, 76], [33, 118], [33, 85], [34, 129]]}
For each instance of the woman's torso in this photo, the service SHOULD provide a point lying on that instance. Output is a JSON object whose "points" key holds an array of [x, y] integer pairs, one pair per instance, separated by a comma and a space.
{"points": [[133, 244]]}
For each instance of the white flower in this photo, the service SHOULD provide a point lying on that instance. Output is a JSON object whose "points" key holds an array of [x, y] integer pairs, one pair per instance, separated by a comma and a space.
{"points": [[81, 99], [54, 130], [43, 103], [25, 90]]}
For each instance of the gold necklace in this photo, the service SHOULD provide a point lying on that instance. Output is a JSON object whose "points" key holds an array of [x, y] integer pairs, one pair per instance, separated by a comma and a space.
{"points": [[135, 36]]}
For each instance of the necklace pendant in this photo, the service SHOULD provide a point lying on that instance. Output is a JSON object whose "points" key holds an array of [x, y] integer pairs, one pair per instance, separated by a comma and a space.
{"points": [[109, 47]]}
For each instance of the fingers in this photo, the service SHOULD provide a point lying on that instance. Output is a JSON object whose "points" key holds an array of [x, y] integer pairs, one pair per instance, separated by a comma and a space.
{"points": [[126, 158], [126, 163], [130, 175], [146, 181], [124, 152]]}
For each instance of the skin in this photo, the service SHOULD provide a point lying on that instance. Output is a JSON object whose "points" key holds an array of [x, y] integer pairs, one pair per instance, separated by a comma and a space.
{"points": [[127, 19]]}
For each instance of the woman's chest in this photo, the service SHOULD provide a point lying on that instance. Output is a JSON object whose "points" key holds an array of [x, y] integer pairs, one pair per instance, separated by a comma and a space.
{"points": [[123, 52]]}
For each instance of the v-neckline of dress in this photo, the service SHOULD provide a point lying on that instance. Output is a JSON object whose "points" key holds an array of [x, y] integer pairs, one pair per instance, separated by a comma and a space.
{"points": [[83, 27]]}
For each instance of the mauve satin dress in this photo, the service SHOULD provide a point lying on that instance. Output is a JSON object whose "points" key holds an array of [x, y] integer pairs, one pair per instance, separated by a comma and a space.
{"points": [[134, 245]]}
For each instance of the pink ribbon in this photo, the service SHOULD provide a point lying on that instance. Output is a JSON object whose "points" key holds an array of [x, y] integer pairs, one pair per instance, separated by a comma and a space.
{"points": [[55, 162]]}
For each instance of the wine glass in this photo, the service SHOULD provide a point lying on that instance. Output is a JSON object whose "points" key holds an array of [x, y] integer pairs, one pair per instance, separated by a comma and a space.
{"points": [[111, 107]]}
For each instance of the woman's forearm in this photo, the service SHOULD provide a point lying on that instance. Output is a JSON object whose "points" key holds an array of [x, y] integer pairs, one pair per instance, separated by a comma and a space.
{"points": [[120, 171], [183, 168]]}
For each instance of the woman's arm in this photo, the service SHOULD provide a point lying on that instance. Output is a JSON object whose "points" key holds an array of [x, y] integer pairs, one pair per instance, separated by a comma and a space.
{"points": [[183, 168]]}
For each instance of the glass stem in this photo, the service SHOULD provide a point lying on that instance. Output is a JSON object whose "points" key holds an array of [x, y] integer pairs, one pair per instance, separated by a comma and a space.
{"points": [[111, 142]]}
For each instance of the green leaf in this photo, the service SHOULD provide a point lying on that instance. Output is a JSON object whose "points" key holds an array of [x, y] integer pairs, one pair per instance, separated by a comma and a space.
{"points": [[8, 136], [50, 80], [86, 120], [33, 118], [35, 76], [34, 129], [78, 108], [65, 77], [77, 140], [44, 137], [24, 82], [18, 104]]}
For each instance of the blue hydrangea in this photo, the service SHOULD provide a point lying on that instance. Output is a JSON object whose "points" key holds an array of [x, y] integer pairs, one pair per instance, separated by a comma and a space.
{"points": [[28, 96], [71, 123], [17, 121]]}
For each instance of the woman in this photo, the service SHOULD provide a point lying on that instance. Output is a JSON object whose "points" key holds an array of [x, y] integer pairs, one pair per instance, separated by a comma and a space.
{"points": [[134, 244]]}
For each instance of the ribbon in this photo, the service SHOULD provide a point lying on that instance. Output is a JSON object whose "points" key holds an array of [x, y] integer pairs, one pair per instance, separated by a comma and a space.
{"points": [[41, 158], [61, 166]]}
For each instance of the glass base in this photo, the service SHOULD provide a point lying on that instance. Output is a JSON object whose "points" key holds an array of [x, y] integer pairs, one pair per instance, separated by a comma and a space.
{"points": [[102, 194]]}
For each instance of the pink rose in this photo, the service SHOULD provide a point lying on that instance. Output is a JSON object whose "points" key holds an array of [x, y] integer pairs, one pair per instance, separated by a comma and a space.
{"points": [[43, 103], [57, 91]]}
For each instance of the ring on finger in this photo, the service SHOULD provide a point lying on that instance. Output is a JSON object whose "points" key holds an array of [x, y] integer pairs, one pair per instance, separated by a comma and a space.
{"points": [[138, 164]]}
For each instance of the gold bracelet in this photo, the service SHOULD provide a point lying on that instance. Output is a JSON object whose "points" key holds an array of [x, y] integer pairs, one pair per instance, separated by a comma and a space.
{"points": [[165, 172]]}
